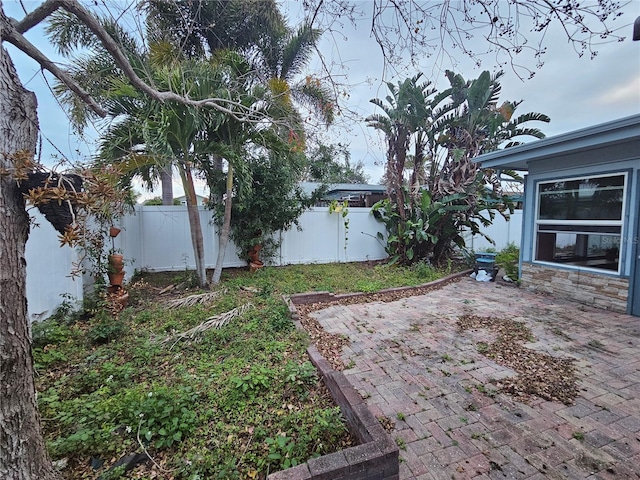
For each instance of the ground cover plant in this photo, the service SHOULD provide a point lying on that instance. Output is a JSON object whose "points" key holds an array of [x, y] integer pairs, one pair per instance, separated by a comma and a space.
{"points": [[237, 400]]}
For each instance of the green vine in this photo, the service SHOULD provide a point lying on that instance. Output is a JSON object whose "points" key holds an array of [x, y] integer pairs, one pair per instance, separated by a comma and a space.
{"points": [[343, 209]]}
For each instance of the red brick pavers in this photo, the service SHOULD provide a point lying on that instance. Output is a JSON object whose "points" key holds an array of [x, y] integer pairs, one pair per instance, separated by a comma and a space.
{"points": [[414, 367]]}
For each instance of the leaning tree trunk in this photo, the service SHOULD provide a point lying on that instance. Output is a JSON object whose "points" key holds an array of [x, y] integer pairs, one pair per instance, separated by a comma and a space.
{"points": [[223, 239], [22, 451], [194, 222]]}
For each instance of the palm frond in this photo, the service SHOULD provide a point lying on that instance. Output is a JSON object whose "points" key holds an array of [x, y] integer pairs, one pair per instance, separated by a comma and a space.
{"points": [[298, 51], [192, 300], [217, 321]]}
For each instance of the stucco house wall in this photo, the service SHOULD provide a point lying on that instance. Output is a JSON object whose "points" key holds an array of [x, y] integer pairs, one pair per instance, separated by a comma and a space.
{"points": [[609, 151]]}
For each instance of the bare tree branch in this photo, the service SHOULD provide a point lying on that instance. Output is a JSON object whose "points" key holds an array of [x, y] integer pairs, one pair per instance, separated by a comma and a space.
{"points": [[38, 15], [21, 43], [416, 29]]}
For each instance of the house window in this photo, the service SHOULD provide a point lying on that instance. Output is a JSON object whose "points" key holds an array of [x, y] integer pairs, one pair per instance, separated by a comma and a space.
{"points": [[579, 221]]}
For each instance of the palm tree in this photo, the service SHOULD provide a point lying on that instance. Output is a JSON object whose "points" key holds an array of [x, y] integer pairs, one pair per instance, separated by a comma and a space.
{"points": [[281, 60], [236, 143], [281, 57], [277, 54], [146, 135], [477, 125], [199, 28], [406, 119]]}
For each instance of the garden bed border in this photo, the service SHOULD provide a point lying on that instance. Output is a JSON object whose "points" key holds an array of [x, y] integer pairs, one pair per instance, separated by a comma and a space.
{"points": [[377, 456]]}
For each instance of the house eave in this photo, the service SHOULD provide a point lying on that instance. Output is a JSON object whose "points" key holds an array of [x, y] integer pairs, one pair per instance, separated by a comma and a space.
{"points": [[520, 157]]}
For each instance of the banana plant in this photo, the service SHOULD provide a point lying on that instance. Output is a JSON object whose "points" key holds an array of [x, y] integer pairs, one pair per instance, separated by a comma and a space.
{"points": [[432, 227]]}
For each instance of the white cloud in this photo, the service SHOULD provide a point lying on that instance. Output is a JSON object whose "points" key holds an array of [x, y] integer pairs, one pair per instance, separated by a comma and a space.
{"points": [[626, 94]]}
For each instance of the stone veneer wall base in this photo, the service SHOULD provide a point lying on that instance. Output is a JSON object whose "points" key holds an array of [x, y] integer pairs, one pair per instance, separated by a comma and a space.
{"points": [[600, 291]]}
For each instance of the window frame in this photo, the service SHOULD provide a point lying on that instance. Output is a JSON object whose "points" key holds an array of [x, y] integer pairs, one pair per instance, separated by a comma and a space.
{"points": [[574, 225]]}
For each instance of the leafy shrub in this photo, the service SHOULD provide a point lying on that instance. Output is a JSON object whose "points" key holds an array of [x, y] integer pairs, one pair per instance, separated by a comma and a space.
{"points": [[425, 271], [85, 423], [288, 449], [300, 377], [99, 422], [259, 379], [328, 424], [48, 340], [432, 227], [49, 332], [279, 319], [65, 313], [45, 357], [106, 329], [281, 450], [509, 259], [163, 415]]}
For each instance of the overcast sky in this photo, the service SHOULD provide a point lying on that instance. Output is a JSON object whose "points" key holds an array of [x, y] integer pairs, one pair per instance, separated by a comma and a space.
{"points": [[575, 92]]}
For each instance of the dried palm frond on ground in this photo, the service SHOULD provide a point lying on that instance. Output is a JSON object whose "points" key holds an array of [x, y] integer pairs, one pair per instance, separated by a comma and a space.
{"points": [[540, 374], [217, 321], [191, 300]]}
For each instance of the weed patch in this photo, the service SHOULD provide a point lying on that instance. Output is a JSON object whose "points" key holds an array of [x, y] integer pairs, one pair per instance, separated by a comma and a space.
{"points": [[236, 401]]}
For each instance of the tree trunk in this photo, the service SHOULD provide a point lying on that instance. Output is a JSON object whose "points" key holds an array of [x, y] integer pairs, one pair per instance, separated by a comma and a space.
{"points": [[223, 239], [194, 222], [22, 450], [166, 181]]}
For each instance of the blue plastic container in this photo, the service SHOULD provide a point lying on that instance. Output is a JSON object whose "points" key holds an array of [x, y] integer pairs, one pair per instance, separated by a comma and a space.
{"points": [[486, 261]]}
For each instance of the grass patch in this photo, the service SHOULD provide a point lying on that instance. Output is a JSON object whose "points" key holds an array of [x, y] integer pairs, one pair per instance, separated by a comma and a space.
{"points": [[332, 277], [239, 401]]}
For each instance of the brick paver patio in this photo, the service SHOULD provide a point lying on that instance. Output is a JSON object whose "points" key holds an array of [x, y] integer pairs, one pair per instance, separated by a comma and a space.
{"points": [[414, 367]]}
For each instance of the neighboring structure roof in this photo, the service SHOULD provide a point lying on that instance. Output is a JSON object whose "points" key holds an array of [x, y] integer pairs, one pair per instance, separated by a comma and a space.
{"points": [[339, 191], [202, 200], [605, 134]]}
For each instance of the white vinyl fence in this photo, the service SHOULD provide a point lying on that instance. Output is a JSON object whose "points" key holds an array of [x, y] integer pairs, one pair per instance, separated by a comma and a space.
{"points": [[502, 232], [157, 238], [48, 270]]}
